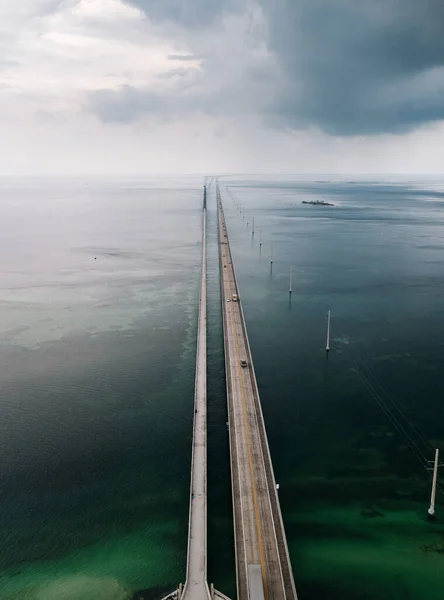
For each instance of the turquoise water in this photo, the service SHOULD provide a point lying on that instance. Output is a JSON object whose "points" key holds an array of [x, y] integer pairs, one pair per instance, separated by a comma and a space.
{"points": [[99, 293]]}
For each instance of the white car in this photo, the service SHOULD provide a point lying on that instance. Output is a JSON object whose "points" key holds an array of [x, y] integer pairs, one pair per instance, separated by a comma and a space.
{"points": [[228, 299]]}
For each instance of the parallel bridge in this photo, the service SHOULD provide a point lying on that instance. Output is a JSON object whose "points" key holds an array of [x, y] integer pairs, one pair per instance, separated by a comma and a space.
{"points": [[263, 568]]}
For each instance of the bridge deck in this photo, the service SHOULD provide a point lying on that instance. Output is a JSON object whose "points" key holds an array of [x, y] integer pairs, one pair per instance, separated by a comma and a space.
{"points": [[196, 586], [259, 531]]}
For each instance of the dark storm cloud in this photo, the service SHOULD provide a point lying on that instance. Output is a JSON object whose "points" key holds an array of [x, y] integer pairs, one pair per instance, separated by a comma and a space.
{"points": [[352, 67], [349, 67]]}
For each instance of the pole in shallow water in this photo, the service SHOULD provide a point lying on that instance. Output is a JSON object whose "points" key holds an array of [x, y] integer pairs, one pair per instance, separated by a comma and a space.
{"points": [[431, 510], [327, 346]]}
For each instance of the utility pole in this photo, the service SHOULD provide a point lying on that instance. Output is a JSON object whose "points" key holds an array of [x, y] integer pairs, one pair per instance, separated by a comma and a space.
{"points": [[327, 347], [431, 510]]}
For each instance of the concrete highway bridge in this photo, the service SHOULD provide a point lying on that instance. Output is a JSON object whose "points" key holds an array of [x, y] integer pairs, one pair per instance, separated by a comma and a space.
{"points": [[263, 568]]}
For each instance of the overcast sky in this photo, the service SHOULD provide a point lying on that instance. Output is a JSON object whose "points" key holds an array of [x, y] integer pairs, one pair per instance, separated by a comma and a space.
{"points": [[198, 86]]}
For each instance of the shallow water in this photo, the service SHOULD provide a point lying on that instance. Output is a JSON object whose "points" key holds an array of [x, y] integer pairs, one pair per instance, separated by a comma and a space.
{"points": [[99, 293]]}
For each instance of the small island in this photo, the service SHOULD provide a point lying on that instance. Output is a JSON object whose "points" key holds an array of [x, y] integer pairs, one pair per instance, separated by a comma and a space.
{"points": [[317, 202]]}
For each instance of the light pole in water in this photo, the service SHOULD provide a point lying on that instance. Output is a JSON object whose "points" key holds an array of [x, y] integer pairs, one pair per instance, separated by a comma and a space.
{"points": [[327, 346], [431, 510]]}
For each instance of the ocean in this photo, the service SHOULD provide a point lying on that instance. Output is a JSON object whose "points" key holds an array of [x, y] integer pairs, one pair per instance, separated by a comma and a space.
{"points": [[99, 290]]}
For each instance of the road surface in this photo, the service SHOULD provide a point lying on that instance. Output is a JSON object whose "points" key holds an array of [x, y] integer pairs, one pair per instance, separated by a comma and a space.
{"points": [[196, 586], [260, 542]]}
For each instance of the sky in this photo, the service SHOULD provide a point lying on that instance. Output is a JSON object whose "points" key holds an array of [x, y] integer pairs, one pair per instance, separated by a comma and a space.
{"points": [[135, 87]]}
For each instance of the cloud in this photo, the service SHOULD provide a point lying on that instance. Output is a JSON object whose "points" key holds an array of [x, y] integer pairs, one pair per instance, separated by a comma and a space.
{"points": [[231, 78], [194, 14], [182, 57], [6, 63], [56, 53], [179, 72], [45, 117], [353, 68], [127, 103], [261, 81], [348, 67]]}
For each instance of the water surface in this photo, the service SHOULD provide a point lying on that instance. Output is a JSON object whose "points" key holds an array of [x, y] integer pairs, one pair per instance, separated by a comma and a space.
{"points": [[353, 493], [99, 299], [99, 291]]}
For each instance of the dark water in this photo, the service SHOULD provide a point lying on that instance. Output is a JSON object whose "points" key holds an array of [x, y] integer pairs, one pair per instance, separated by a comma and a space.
{"points": [[353, 494], [98, 324], [98, 316]]}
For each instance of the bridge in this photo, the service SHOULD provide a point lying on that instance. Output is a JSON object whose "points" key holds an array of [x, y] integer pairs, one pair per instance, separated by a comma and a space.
{"points": [[260, 542], [196, 586], [263, 568]]}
